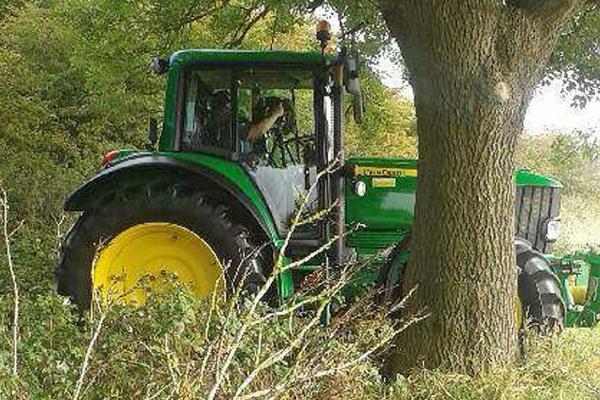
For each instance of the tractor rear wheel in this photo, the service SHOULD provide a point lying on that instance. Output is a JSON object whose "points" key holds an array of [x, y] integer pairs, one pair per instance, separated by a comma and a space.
{"points": [[149, 233], [540, 291]]}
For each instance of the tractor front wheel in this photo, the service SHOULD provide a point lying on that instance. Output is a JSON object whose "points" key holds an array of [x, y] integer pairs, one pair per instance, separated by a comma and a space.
{"points": [[540, 295], [539, 304], [150, 233]]}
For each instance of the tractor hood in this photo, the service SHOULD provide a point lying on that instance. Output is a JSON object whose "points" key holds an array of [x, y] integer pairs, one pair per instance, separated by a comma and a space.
{"points": [[380, 194]]}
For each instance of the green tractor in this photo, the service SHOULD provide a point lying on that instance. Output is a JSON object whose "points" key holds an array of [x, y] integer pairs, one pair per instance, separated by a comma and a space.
{"points": [[246, 137]]}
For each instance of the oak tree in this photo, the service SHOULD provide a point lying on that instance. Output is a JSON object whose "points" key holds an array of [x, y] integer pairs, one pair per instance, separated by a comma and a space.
{"points": [[473, 67]]}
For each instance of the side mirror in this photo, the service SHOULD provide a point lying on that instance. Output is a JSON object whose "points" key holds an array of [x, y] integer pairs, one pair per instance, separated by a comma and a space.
{"points": [[152, 134], [352, 85], [159, 66]]}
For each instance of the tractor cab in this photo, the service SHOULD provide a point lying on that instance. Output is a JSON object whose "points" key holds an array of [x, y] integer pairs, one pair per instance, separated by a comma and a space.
{"points": [[277, 115], [264, 116]]}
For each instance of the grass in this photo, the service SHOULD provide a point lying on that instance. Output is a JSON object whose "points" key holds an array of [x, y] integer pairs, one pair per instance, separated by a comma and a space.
{"points": [[158, 352], [565, 367], [580, 215]]}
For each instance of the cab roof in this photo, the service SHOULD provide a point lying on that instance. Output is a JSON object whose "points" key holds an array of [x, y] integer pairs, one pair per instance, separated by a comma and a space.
{"points": [[213, 56]]}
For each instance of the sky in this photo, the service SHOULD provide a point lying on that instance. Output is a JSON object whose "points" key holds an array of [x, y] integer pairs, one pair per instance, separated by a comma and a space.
{"points": [[549, 111]]}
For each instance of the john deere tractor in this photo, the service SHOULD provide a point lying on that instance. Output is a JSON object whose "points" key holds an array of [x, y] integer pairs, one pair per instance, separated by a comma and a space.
{"points": [[246, 137]]}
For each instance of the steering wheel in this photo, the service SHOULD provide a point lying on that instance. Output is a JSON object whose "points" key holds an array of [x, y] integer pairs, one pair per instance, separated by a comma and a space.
{"points": [[300, 142]]}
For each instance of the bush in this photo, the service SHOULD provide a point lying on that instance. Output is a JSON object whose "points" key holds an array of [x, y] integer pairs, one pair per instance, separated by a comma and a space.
{"points": [[177, 347]]}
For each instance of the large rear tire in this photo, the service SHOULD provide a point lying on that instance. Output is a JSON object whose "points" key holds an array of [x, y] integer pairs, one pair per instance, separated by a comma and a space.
{"points": [[152, 218]]}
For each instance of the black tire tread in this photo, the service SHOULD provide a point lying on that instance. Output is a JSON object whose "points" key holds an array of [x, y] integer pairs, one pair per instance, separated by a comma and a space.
{"points": [[144, 201], [539, 290]]}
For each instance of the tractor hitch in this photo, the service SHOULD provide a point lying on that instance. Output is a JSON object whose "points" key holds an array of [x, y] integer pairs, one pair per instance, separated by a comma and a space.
{"points": [[579, 274]]}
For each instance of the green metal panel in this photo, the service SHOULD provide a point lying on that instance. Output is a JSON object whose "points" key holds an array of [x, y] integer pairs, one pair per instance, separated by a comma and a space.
{"points": [[384, 162], [387, 208], [170, 112], [382, 208], [580, 269], [369, 241], [246, 56]]}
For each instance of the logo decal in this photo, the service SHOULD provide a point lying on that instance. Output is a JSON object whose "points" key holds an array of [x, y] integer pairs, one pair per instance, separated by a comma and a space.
{"points": [[382, 171]]}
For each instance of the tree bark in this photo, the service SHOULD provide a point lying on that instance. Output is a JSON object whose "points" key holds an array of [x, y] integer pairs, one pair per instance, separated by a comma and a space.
{"points": [[473, 67]]}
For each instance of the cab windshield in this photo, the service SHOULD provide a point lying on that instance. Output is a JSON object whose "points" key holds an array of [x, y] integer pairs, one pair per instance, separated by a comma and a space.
{"points": [[262, 114]]}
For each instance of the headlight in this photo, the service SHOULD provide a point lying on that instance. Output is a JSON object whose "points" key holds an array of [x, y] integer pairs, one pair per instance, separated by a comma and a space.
{"points": [[360, 188], [552, 230]]}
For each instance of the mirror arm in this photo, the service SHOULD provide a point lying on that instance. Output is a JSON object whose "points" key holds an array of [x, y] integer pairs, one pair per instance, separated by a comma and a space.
{"points": [[152, 134]]}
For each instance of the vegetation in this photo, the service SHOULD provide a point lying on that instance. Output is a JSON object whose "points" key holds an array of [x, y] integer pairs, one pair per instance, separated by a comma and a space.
{"points": [[160, 352], [74, 85]]}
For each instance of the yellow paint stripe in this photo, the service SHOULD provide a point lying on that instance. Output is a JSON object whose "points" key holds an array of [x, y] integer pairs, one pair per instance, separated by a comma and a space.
{"points": [[384, 182]]}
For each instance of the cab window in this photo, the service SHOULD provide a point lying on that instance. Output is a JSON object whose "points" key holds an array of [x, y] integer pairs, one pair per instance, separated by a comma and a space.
{"points": [[272, 110], [207, 112]]}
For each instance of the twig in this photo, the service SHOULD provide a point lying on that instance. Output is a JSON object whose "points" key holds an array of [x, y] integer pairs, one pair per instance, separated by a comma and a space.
{"points": [[325, 298], [7, 238], [88, 356], [243, 31], [334, 370], [247, 322], [281, 354], [173, 370]]}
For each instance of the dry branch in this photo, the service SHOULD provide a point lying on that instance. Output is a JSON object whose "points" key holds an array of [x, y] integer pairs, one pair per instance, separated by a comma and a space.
{"points": [[15, 288]]}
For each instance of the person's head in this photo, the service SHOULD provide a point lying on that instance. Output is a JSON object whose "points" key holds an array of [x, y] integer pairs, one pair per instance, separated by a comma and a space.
{"points": [[221, 101]]}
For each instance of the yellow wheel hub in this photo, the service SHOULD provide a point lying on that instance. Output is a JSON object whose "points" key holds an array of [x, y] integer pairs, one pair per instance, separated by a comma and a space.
{"points": [[146, 256]]}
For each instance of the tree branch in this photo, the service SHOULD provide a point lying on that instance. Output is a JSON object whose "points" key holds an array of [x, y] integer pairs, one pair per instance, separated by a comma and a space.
{"points": [[241, 34], [7, 239], [196, 14]]}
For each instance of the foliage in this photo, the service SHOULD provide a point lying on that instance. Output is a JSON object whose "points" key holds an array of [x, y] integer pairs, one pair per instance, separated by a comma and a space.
{"points": [[574, 159], [222, 347], [159, 352], [389, 126], [576, 59]]}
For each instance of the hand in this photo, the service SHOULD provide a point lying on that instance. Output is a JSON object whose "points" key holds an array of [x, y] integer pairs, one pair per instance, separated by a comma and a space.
{"points": [[279, 111], [260, 128]]}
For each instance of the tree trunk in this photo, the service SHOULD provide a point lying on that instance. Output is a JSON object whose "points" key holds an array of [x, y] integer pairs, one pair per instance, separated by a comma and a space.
{"points": [[473, 67]]}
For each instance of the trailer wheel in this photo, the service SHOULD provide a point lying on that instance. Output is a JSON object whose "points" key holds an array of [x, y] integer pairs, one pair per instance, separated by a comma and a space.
{"points": [[540, 294], [149, 232]]}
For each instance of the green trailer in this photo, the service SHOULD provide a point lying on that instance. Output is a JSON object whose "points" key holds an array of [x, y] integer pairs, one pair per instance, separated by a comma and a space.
{"points": [[246, 137]]}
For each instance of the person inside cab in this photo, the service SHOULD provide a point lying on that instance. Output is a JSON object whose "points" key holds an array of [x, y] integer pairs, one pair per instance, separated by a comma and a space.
{"points": [[265, 120]]}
